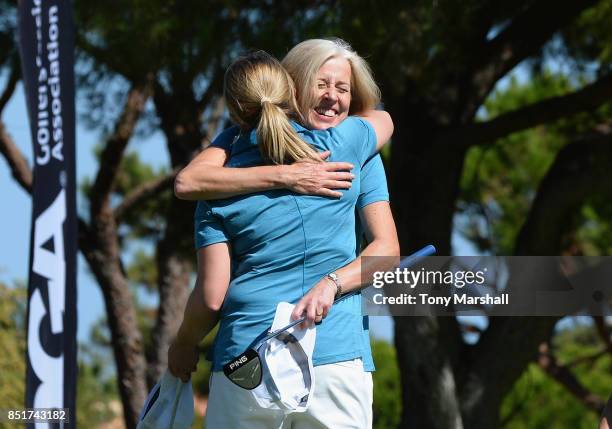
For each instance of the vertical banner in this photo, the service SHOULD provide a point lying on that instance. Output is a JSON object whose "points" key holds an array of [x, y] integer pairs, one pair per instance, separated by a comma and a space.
{"points": [[46, 39]]}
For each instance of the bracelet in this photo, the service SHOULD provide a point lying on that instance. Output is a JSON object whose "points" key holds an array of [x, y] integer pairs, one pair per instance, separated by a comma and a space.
{"points": [[334, 278]]}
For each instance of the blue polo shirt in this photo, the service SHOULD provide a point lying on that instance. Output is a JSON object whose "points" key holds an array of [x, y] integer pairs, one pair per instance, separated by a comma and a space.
{"points": [[373, 188], [284, 243]]}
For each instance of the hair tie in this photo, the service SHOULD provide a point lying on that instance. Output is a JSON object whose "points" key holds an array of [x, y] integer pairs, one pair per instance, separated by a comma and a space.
{"points": [[265, 99]]}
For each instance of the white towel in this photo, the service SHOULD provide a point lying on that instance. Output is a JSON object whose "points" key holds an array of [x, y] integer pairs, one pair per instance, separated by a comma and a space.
{"points": [[168, 406]]}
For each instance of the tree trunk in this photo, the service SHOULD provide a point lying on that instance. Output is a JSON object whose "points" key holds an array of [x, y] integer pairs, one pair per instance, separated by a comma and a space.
{"points": [[424, 187], [174, 271], [448, 384], [492, 372], [175, 251], [101, 251], [429, 390]]}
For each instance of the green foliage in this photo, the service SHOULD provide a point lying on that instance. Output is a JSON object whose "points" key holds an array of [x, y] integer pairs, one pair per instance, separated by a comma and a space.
{"points": [[96, 392], [387, 406], [542, 403], [201, 376], [537, 401], [579, 341], [589, 41], [596, 234], [143, 270], [417, 48], [8, 27], [100, 334], [500, 180], [13, 340], [518, 94], [97, 396], [147, 220], [147, 36], [198, 422], [186, 45], [133, 173]]}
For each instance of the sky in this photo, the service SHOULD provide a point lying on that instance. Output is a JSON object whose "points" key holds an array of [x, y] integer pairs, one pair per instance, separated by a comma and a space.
{"points": [[16, 216]]}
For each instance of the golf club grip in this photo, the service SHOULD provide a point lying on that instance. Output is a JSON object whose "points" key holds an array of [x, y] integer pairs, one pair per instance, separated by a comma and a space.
{"points": [[404, 263], [408, 261]]}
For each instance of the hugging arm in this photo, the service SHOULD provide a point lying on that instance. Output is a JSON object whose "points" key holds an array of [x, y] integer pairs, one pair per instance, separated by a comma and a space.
{"points": [[206, 178], [382, 123], [377, 220], [202, 309]]}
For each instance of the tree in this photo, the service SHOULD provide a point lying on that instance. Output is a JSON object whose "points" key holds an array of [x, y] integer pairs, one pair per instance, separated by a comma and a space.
{"points": [[12, 335], [387, 407], [538, 401], [438, 63], [162, 64], [96, 390]]}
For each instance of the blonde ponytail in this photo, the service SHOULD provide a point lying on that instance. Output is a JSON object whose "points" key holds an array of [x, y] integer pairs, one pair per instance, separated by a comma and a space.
{"points": [[260, 94], [278, 140]]}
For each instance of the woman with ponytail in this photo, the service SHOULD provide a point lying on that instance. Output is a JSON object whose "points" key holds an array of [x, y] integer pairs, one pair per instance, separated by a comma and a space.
{"points": [[283, 243], [260, 95]]}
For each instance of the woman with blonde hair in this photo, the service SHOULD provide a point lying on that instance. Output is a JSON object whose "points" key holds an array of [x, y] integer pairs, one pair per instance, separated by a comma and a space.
{"points": [[260, 94], [268, 231], [304, 63]]}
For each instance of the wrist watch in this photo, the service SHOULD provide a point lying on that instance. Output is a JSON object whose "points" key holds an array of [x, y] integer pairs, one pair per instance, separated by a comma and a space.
{"points": [[334, 278]]}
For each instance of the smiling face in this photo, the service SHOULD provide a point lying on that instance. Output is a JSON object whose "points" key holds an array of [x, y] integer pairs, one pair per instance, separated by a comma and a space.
{"points": [[332, 94]]}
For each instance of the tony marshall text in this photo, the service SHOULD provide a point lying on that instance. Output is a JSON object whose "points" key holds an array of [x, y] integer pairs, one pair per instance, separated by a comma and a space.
{"points": [[458, 299]]}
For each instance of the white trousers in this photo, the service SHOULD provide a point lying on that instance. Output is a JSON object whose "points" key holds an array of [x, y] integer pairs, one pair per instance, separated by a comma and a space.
{"points": [[342, 400]]}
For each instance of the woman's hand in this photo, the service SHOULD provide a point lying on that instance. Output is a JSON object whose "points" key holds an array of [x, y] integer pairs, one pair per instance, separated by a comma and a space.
{"points": [[316, 303], [318, 178], [182, 360]]}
